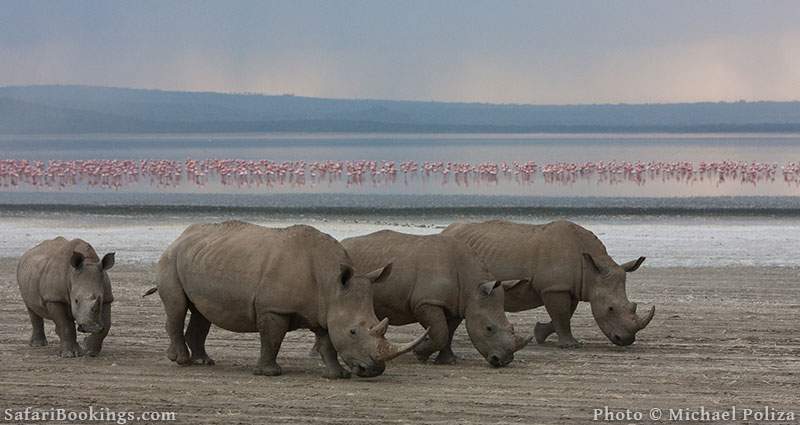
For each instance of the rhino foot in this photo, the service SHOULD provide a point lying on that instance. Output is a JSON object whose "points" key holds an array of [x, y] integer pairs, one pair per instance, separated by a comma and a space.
{"points": [[91, 350], [179, 354], [272, 370], [208, 361], [336, 374], [38, 342], [446, 358], [568, 343], [71, 352]]}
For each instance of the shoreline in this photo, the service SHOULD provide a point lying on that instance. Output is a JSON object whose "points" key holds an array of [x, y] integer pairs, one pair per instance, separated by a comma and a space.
{"points": [[338, 203]]}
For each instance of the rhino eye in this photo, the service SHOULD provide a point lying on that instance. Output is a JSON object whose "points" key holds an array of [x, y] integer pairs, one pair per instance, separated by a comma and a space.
{"points": [[352, 331], [489, 329], [611, 309]]}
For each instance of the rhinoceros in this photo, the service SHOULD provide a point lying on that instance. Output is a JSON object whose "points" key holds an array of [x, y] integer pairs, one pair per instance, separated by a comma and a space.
{"points": [[247, 278], [66, 282], [566, 264], [438, 282]]}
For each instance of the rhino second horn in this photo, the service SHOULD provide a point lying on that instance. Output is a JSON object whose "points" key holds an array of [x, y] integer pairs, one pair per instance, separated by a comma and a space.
{"points": [[521, 342], [388, 351], [379, 330], [646, 321]]}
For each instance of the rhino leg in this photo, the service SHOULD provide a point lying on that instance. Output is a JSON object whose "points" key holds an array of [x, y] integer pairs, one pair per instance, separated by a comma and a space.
{"points": [[334, 369], [433, 318], [38, 338], [196, 333], [65, 328], [175, 306], [560, 306], [446, 355], [542, 330], [314, 352], [273, 328], [94, 342]]}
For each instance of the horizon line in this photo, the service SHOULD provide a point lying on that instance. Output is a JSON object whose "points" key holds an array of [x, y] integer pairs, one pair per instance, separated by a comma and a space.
{"points": [[368, 99]]}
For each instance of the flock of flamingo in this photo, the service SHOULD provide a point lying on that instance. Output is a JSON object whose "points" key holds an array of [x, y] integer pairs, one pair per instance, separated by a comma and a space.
{"points": [[116, 173]]}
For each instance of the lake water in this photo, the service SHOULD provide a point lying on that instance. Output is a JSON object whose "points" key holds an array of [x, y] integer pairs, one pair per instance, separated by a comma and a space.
{"points": [[691, 222], [776, 149]]}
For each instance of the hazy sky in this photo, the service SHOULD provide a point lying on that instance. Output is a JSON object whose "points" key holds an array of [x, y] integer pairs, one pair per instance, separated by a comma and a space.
{"points": [[488, 51]]}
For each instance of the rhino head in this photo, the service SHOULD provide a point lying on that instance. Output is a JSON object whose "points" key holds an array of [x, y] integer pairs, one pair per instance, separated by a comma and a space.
{"points": [[616, 316], [487, 325], [88, 279], [354, 329]]}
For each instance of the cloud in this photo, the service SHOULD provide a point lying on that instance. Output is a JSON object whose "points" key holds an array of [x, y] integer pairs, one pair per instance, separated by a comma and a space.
{"points": [[715, 69], [714, 66]]}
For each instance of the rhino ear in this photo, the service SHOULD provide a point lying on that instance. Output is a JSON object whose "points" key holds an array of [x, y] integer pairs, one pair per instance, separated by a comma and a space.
{"points": [[488, 287], [346, 273], [594, 264], [380, 275], [632, 266], [108, 260], [77, 260], [508, 284]]}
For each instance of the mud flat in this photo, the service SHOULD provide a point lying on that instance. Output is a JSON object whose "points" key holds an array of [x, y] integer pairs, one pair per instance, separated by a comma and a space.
{"points": [[721, 337]]}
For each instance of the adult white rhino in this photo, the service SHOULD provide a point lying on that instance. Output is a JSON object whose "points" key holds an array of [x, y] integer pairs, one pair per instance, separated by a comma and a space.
{"points": [[438, 282], [247, 278], [566, 264]]}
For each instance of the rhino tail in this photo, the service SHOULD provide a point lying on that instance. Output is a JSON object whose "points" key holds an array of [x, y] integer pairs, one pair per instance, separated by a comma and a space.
{"points": [[150, 291]]}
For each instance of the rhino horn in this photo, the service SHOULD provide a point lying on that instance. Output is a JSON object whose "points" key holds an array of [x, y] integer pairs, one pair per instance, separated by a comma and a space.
{"points": [[379, 330], [642, 323], [631, 266], [388, 351], [521, 342]]}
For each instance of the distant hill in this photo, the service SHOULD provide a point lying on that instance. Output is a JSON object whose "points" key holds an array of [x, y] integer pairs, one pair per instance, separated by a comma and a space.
{"points": [[85, 109]]}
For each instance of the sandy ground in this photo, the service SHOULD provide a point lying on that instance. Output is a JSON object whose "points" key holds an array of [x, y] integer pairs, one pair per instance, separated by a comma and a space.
{"points": [[720, 337]]}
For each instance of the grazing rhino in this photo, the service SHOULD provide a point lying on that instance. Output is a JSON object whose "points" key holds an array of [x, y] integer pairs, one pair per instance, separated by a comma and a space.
{"points": [[247, 278], [65, 281], [438, 282], [566, 264]]}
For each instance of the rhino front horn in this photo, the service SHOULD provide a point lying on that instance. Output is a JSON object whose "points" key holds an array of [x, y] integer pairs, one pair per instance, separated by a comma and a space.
{"points": [[646, 321], [379, 330], [388, 351]]}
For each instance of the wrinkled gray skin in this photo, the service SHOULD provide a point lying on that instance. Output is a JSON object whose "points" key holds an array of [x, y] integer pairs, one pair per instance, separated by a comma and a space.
{"points": [[566, 264], [438, 282], [247, 278], [65, 281]]}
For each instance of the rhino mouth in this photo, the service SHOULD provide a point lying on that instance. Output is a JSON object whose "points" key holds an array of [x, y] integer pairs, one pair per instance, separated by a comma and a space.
{"points": [[498, 361], [366, 370], [623, 341]]}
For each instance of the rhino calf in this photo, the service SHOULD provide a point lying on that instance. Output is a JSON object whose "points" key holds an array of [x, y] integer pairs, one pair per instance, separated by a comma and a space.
{"points": [[438, 282], [567, 264], [65, 281], [247, 278]]}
